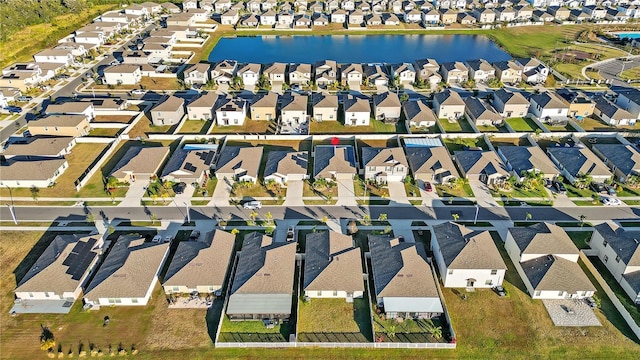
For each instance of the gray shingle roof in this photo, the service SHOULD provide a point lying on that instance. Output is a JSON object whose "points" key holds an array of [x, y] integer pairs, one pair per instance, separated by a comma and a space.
{"points": [[551, 273], [383, 156], [39, 146], [30, 169], [286, 163], [579, 160], [320, 100], [480, 162], [400, 269], [355, 104], [430, 160], [625, 157], [528, 158], [268, 100], [386, 99], [543, 238], [610, 109], [549, 100], [140, 160], [509, 98], [463, 248], [328, 159], [623, 242], [59, 120], [448, 97], [235, 159], [481, 110], [418, 111], [332, 263], [189, 162]]}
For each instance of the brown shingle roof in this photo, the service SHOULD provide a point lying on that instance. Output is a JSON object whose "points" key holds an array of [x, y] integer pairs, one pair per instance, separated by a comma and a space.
{"points": [[169, 103], [59, 120], [30, 169], [140, 161], [332, 263]]}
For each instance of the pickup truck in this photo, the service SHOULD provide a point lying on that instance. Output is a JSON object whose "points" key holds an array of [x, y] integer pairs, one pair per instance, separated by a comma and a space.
{"points": [[291, 233]]}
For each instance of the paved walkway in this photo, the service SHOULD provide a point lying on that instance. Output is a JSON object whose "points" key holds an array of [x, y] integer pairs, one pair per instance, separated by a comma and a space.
{"points": [[571, 312], [346, 193], [397, 194], [482, 194], [403, 228], [294, 193], [135, 193], [221, 194]]}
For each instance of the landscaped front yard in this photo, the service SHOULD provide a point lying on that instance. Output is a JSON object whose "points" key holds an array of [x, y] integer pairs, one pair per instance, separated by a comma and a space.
{"points": [[258, 190], [334, 319], [518, 192], [372, 189], [522, 124], [446, 190], [374, 127]]}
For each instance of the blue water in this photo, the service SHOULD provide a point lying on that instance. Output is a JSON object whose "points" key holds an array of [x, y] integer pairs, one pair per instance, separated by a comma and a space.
{"points": [[357, 49], [633, 35]]}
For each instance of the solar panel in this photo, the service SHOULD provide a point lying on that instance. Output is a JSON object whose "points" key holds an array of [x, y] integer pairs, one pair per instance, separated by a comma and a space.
{"points": [[80, 258]]}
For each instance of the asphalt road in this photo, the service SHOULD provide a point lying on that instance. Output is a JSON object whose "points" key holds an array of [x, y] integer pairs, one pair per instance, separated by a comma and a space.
{"points": [[52, 213], [610, 70]]}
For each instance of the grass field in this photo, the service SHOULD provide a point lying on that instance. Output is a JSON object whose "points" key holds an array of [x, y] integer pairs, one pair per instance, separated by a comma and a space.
{"points": [[445, 191], [631, 74], [249, 127], [144, 126], [374, 127], [194, 127], [592, 124], [522, 124], [335, 316]]}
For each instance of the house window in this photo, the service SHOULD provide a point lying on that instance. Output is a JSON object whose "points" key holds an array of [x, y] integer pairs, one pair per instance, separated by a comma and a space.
{"points": [[450, 271], [211, 288], [488, 282], [605, 258], [30, 294], [134, 301], [112, 301], [235, 121], [618, 258], [175, 288], [537, 293], [335, 292], [349, 294], [560, 293], [494, 272], [604, 243], [372, 168], [319, 293]]}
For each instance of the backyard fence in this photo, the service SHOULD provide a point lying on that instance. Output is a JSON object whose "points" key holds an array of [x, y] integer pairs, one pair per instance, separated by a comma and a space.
{"points": [[374, 345]]}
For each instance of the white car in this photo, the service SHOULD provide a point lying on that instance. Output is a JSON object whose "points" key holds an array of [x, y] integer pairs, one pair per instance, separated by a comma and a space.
{"points": [[252, 205], [138, 92], [157, 239], [610, 201]]}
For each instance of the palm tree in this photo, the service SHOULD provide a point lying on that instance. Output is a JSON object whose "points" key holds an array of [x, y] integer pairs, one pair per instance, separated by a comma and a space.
{"points": [[455, 216], [253, 215], [35, 193], [382, 217], [436, 331], [269, 218], [582, 219], [528, 216]]}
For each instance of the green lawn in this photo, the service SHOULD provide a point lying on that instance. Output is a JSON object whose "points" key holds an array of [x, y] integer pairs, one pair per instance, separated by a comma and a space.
{"points": [[592, 124], [257, 190], [573, 191], [459, 126], [580, 238], [520, 192], [104, 132], [249, 127], [457, 144], [335, 316], [359, 187], [195, 127], [522, 124], [445, 191], [374, 127], [564, 128]]}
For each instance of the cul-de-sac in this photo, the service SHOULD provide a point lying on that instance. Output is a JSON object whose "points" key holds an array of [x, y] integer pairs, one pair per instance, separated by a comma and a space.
{"points": [[330, 179]]}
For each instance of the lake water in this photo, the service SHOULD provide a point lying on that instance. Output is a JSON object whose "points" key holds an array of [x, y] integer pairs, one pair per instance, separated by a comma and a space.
{"points": [[357, 48]]}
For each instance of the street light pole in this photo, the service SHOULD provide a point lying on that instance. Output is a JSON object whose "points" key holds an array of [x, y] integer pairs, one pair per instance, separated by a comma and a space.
{"points": [[11, 207], [475, 219], [188, 214]]}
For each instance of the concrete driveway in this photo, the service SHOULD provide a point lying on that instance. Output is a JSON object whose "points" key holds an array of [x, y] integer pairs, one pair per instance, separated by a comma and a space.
{"points": [[135, 193], [186, 195], [294, 193], [221, 193], [397, 194], [276, 87], [482, 194], [346, 193]]}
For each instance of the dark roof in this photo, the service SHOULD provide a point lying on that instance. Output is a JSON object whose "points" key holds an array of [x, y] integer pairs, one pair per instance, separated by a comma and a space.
{"points": [[610, 109], [332, 263], [324, 154], [623, 242], [624, 157], [633, 279], [630, 93], [570, 157], [480, 109], [549, 273], [543, 238]]}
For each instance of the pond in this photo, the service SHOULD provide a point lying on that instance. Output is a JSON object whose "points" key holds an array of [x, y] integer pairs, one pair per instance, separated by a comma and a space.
{"points": [[357, 48]]}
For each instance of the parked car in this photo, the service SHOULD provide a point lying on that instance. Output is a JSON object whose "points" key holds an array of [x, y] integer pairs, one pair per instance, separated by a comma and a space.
{"points": [[610, 190], [195, 234], [291, 233], [179, 187], [599, 187], [24, 98], [559, 187], [428, 187], [252, 205], [13, 109], [611, 201], [157, 239], [548, 183], [500, 291], [138, 92], [591, 302], [168, 238]]}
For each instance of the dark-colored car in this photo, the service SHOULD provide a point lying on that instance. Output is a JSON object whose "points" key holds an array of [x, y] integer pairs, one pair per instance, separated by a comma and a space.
{"points": [[428, 187], [548, 183], [195, 234], [591, 302], [13, 109], [500, 291], [179, 187], [559, 187], [599, 187]]}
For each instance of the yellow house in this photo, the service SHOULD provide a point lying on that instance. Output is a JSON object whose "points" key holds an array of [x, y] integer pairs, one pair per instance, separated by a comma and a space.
{"points": [[61, 125]]}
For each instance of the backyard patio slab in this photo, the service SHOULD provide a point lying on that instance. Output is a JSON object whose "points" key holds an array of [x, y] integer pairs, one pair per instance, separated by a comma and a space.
{"points": [[571, 312]]}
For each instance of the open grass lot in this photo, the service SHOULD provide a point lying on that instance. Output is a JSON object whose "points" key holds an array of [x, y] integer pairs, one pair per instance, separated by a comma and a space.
{"points": [[194, 127], [321, 316], [374, 127], [82, 155], [462, 125], [631, 74], [522, 124], [593, 124], [249, 127], [105, 132], [456, 144], [122, 119]]}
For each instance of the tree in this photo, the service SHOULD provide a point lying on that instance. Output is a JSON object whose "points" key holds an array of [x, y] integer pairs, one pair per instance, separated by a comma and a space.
{"points": [[582, 219], [90, 218], [382, 217], [235, 231], [390, 331], [455, 216], [253, 215], [528, 216], [269, 218], [153, 217], [324, 219], [404, 97], [35, 193], [436, 331], [366, 220]]}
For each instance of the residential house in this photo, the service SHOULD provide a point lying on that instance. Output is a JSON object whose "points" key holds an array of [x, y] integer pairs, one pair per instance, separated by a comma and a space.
{"points": [[202, 107], [332, 267], [403, 279], [268, 18], [611, 113], [168, 111], [230, 17], [285, 19], [387, 107], [629, 99], [510, 104], [60, 125], [250, 74], [221, 6], [373, 19], [331, 5], [548, 106], [508, 72], [269, 4], [576, 161], [300, 74], [617, 248], [128, 273], [542, 16], [21, 76], [405, 73], [253, 6], [351, 74], [622, 159], [375, 74], [485, 16], [334, 162], [302, 21], [197, 74], [524, 13], [28, 173], [483, 166], [72, 108], [200, 266], [239, 164], [170, 8], [466, 258], [357, 111], [480, 70], [579, 104], [384, 165], [326, 72], [448, 16], [356, 17], [275, 73], [38, 147], [250, 20], [325, 107], [339, 16], [283, 166], [123, 74], [466, 18], [413, 16], [190, 165], [547, 261], [293, 110], [348, 5], [431, 17], [427, 71], [431, 163], [230, 111], [139, 163], [533, 70], [390, 19], [60, 271], [448, 104], [559, 13], [521, 160], [596, 12], [480, 112], [224, 72], [264, 106], [419, 114], [262, 287], [579, 15], [454, 72], [57, 56], [504, 14], [320, 19]]}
